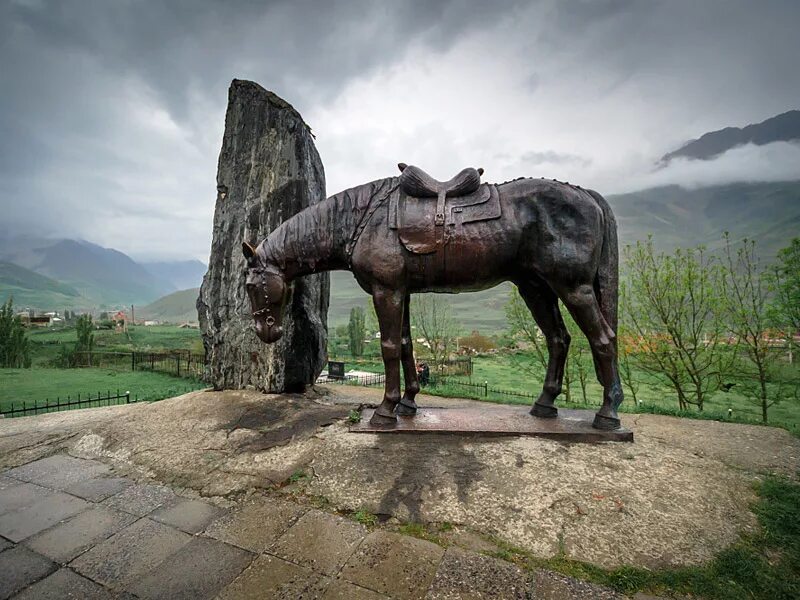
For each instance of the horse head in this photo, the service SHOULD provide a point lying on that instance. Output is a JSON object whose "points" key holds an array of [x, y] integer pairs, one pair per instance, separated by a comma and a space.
{"points": [[268, 291]]}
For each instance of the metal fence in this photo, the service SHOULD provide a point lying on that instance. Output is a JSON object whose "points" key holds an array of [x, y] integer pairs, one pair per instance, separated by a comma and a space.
{"points": [[21, 409], [181, 363]]}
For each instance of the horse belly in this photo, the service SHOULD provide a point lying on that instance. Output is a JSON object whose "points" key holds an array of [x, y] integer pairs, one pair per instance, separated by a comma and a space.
{"points": [[474, 257]]}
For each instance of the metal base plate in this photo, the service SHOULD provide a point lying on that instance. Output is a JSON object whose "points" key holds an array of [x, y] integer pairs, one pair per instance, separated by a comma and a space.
{"points": [[569, 426]]}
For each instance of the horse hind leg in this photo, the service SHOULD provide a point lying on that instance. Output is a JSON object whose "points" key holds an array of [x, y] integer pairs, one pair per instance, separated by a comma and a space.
{"points": [[543, 304], [407, 406], [582, 304]]}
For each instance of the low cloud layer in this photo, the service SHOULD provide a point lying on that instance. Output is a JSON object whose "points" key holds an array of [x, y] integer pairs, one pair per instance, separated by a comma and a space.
{"points": [[112, 113]]}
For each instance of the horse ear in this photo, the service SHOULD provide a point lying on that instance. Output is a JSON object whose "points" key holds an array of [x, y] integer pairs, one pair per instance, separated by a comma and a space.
{"points": [[402, 166], [480, 170], [248, 251]]}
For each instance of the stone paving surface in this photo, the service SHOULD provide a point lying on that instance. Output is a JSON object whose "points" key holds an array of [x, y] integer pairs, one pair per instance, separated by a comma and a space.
{"points": [[123, 539]]}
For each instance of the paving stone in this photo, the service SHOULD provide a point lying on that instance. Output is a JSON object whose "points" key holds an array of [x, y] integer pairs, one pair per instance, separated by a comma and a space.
{"points": [[5, 544], [256, 525], [320, 541], [394, 564], [7, 482], [271, 577], [131, 553], [472, 576], [140, 500], [21, 495], [59, 471], [199, 570], [99, 488], [65, 584], [67, 540], [28, 521], [344, 590], [20, 567], [554, 586], [191, 516]]}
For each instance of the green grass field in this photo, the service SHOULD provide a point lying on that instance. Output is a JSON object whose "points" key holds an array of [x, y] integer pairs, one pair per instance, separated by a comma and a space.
{"points": [[45, 343], [38, 385], [517, 372]]}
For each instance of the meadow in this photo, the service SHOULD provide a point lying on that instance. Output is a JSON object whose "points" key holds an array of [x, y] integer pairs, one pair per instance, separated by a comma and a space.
{"points": [[46, 382], [516, 371]]}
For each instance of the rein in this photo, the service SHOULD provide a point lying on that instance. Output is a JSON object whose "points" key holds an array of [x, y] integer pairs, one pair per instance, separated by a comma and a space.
{"points": [[373, 205]]}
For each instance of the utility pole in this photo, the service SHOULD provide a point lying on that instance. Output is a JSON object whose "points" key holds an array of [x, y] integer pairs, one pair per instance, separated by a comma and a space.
{"points": [[133, 316]]}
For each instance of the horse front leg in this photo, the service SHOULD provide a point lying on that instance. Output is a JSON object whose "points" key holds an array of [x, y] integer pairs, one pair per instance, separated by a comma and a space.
{"points": [[407, 406], [389, 309]]}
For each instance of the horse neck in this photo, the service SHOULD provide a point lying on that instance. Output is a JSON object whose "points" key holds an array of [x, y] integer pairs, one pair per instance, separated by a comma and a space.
{"points": [[311, 241]]}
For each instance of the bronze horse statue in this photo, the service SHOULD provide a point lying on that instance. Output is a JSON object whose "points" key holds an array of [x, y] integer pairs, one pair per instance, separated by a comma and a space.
{"points": [[412, 233]]}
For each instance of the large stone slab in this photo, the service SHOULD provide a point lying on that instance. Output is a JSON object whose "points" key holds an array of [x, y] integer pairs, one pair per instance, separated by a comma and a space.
{"points": [[465, 575], [394, 564], [21, 495], [191, 516], [28, 521], [198, 571], [140, 499], [99, 488], [59, 471], [128, 555], [257, 524], [277, 579], [67, 540], [320, 541], [268, 171], [554, 586], [570, 426], [65, 583], [20, 567]]}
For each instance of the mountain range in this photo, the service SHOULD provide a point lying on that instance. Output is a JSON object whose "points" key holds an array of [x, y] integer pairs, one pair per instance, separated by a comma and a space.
{"points": [[58, 274], [90, 276], [781, 128]]}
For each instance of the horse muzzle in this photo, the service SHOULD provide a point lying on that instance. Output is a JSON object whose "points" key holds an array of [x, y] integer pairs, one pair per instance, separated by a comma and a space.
{"points": [[268, 333]]}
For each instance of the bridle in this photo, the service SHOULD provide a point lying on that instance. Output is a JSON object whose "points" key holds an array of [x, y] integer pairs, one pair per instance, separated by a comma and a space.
{"points": [[262, 276]]}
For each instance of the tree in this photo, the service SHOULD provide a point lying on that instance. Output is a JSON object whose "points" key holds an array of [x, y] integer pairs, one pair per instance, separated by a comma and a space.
{"points": [[85, 343], [744, 298], [14, 347], [434, 320], [673, 303], [521, 322], [355, 331], [784, 284]]}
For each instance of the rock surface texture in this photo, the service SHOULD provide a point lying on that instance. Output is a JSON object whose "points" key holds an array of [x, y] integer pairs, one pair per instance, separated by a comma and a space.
{"points": [[269, 170], [677, 496]]}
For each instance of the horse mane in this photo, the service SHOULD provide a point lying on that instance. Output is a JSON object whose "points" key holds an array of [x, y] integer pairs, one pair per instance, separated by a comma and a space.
{"points": [[325, 226]]}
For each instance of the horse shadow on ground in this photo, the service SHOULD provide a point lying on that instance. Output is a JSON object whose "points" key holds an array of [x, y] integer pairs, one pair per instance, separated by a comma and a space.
{"points": [[426, 468]]}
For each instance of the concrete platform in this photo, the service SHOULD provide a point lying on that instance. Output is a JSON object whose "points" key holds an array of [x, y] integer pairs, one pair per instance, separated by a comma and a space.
{"points": [[569, 426]]}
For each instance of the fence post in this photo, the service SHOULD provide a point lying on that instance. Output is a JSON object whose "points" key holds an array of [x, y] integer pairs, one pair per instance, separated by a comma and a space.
{"points": [[127, 397], [485, 388], [133, 361], [178, 360]]}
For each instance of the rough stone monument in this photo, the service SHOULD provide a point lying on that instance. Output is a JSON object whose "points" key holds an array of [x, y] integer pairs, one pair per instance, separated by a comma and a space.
{"points": [[268, 171]]}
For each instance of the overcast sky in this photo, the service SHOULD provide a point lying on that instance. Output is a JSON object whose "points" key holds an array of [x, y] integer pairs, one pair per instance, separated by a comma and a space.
{"points": [[112, 112]]}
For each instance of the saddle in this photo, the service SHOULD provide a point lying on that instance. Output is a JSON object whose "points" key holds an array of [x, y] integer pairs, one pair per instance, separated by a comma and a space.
{"points": [[422, 224]]}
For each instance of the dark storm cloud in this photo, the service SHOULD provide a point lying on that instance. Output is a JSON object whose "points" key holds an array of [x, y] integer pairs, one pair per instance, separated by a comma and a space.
{"points": [[111, 113]]}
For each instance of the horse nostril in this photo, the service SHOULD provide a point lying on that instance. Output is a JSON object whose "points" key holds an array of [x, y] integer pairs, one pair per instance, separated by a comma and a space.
{"points": [[270, 321]]}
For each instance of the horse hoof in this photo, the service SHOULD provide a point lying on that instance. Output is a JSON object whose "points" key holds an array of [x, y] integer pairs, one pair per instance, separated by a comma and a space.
{"points": [[405, 410], [606, 423], [380, 420], [544, 411]]}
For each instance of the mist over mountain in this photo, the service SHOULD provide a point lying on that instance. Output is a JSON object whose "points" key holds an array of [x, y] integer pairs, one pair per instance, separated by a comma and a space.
{"points": [[181, 274], [781, 128]]}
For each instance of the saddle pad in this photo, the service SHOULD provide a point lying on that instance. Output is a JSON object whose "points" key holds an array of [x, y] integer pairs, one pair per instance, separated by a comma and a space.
{"points": [[414, 217]]}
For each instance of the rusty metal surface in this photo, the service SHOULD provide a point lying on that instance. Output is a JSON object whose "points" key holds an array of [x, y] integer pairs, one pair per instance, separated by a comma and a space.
{"points": [[569, 426]]}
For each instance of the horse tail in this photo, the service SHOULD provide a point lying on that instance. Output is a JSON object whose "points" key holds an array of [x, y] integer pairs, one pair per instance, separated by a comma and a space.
{"points": [[607, 278]]}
